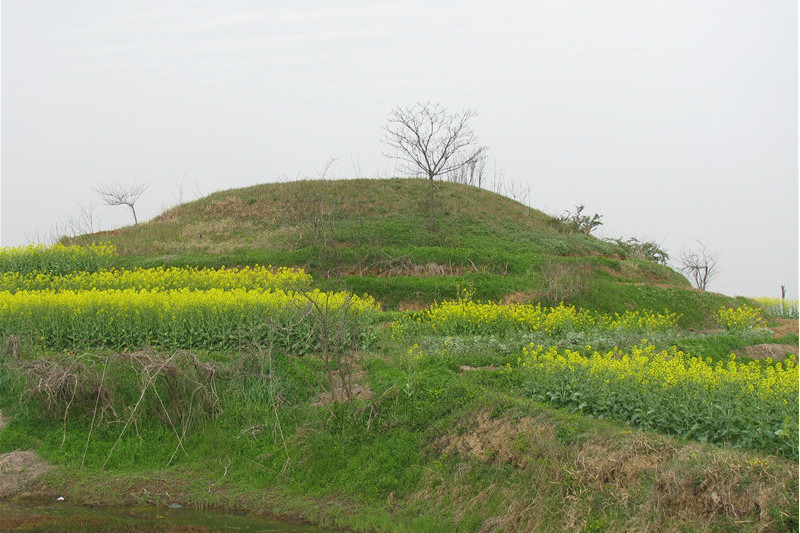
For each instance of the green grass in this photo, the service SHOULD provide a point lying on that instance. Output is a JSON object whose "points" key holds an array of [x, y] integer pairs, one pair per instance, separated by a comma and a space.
{"points": [[441, 435], [434, 448]]}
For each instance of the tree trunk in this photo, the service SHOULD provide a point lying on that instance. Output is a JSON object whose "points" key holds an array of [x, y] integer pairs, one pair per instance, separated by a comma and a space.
{"points": [[430, 206]]}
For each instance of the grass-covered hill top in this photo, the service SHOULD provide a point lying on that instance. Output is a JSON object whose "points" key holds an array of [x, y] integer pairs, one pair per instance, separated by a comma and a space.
{"points": [[373, 236]]}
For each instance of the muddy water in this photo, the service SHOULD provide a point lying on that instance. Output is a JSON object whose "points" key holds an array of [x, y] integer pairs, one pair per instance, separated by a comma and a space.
{"points": [[65, 517]]}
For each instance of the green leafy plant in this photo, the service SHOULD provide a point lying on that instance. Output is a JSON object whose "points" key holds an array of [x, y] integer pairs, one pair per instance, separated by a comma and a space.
{"points": [[579, 222]]}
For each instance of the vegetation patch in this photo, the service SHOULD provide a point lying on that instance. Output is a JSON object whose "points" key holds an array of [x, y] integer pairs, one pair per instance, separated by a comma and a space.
{"points": [[748, 404], [601, 395]]}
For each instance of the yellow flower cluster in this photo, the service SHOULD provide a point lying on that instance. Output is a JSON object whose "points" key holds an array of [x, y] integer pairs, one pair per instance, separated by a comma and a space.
{"points": [[673, 367], [159, 279], [175, 318], [468, 317], [781, 308], [742, 318], [752, 404], [57, 258], [175, 307]]}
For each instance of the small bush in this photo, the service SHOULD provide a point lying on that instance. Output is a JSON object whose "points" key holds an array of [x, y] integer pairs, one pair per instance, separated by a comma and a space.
{"points": [[579, 222]]}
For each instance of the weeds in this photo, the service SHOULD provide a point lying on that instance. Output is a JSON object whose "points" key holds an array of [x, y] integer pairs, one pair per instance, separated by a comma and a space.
{"points": [[178, 390]]}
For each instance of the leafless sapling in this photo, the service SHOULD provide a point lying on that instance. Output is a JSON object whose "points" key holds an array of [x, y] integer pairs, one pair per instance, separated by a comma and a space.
{"points": [[122, 194], [429, 141]]}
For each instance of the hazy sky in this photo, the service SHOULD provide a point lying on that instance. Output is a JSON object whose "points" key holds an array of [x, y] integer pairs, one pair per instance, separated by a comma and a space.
{"points": [[675, 119]]}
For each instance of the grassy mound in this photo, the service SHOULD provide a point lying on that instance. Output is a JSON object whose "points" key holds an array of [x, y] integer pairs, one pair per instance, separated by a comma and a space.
{"points": [[211, 388], [371, 236]]}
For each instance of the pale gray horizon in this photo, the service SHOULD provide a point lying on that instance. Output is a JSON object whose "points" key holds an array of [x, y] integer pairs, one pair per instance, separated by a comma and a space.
{"points": [[674, 119]]}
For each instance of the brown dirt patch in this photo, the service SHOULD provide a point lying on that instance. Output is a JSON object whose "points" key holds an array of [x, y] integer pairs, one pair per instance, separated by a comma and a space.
{"points": [[503, 440], [396, 268], [18, 470], [776, 352], [338, 392], [467, 368], [785, 326], [520, 297], [412, 305]]}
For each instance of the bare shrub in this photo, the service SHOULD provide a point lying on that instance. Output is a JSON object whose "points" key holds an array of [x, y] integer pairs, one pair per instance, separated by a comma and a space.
{"points": [[562, 282], [471, 173], [700, 265], [59, 383], [85, 222], [321, 213], [338, 334]]}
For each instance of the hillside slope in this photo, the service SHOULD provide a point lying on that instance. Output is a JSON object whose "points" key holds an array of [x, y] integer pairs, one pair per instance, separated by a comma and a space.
{"points": [[372, 236]]}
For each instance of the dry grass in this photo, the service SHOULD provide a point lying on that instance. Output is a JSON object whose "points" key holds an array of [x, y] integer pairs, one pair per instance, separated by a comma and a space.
{"points": [[18, 470], [698, 482], [503, 440], [177, 389], [562, 282], [655, 482], [776, 352], [403, 267]]}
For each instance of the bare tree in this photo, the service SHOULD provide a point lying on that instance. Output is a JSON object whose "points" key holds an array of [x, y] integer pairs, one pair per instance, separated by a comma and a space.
{"points": [[119, 194], [699, 265], [429, 141]]}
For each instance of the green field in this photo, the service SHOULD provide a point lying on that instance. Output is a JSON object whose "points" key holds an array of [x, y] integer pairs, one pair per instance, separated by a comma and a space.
{"points": [[501, 374]]}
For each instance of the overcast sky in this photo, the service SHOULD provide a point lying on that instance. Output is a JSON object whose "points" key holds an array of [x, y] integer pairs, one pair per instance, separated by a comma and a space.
{"points": [[676, 119]]}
